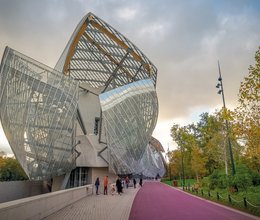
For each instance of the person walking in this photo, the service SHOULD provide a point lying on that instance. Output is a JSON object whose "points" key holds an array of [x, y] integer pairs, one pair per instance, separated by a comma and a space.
{"points": [[134, 181], [127, 181], [105, 184], [97, 185], [119, 186], [141, 182]]}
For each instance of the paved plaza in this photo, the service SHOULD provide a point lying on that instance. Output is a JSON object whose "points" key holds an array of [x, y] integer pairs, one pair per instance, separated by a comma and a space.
{"points": [[99, 207]]}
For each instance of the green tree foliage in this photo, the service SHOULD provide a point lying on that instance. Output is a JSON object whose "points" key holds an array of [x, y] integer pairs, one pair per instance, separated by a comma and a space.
{"points": [[198, 162], [247, 115], [10, 170], [218, 179], [175, 163], [243, 177], [203, 146], [184, 139], [212, 140]]}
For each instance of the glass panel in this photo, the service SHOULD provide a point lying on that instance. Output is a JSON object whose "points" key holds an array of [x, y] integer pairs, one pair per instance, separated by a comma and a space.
{"points": [[130, 114], [38, 113]]}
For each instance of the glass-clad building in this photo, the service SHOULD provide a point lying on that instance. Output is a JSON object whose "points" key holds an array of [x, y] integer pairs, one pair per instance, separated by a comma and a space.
{"points": [[38, 112], [96, 109]]}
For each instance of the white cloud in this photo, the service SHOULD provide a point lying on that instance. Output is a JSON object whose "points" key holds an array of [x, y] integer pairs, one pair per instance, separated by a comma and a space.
{"points": [[127, 13], [184, 39]]}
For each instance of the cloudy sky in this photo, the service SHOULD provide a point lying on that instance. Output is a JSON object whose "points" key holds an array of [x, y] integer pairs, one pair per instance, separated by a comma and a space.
{"points": [[184, 39]]}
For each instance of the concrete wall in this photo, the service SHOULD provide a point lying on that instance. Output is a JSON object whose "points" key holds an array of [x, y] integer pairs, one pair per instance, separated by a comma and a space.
{"points": [[89, 107], [38, 207], [89, 152], [57, 182], [20, 189]]}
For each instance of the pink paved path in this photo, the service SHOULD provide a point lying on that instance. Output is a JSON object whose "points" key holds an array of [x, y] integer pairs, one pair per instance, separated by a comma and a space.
{"points": [[157, 201]]}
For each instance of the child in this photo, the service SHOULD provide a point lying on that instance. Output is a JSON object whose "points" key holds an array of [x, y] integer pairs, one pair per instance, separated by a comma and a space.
{"points": [[113, 190]]}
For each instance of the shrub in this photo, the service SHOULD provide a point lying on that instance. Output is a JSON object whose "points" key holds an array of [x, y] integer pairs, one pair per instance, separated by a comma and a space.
{"points": [[256, 179], [218, 179], [243, 177]]}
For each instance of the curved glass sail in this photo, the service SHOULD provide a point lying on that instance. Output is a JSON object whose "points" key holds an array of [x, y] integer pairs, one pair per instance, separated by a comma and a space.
{"points": [[38, 113], [130, 114], [152, 162], [97, 54]]}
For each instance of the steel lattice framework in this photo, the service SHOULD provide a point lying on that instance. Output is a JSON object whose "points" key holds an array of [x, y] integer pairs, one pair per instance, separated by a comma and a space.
{"points": [[44, 103], [99, 55], [38, 113], [130, 114]]}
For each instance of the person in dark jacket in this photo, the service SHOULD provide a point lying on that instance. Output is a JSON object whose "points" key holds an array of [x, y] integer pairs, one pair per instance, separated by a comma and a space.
{"points": [[134, 183], [97, 185], [119, 186], [141, 182]]}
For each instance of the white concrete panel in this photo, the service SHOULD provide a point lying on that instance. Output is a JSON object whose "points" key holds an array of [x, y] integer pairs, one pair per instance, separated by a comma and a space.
{"points": [[89, 152], [38, 207]]}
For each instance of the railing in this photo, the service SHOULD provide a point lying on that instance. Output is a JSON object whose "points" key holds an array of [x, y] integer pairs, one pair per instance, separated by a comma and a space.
{"points": [[41, 206], [243, 203]]}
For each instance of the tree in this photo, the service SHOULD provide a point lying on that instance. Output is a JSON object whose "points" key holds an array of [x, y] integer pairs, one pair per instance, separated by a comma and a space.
{"points": [[198, 162], [204, 144], [247, 115], [10, 170], [175, 163], [211, 140], [182, 136]]}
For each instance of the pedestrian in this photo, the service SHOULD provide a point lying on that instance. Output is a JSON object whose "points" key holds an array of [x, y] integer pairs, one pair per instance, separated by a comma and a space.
{"points": [[113, 189], [141, 182], [119, 186], [134, 181], [97, 185], [127, 181], [123, 183], [105, 184]]}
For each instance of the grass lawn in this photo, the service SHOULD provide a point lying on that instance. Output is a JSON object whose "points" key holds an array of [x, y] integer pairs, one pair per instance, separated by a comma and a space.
{"points": [[188, 182]]}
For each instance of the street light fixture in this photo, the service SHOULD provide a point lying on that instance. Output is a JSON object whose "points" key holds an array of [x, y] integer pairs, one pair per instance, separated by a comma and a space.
{"points": [[221, 91]]}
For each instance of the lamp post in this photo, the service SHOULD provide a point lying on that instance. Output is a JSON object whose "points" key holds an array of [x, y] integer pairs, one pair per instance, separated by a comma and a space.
{"points": [[221, 91], [182, 166]]}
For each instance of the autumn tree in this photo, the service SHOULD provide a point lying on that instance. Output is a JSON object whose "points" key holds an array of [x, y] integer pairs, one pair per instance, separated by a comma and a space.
{"points": [[212, 140], [248, 115], [175, 163], [10, 170], [198, 162], [185, 139], [204, 145]]}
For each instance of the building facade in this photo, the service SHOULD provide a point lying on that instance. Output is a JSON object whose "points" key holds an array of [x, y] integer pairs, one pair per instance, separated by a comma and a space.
{"points": [[92, 115]]}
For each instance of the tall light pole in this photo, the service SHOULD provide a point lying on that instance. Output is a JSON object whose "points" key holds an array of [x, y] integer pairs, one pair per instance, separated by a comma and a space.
{"points": [[221, 91], [182, 166]]}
